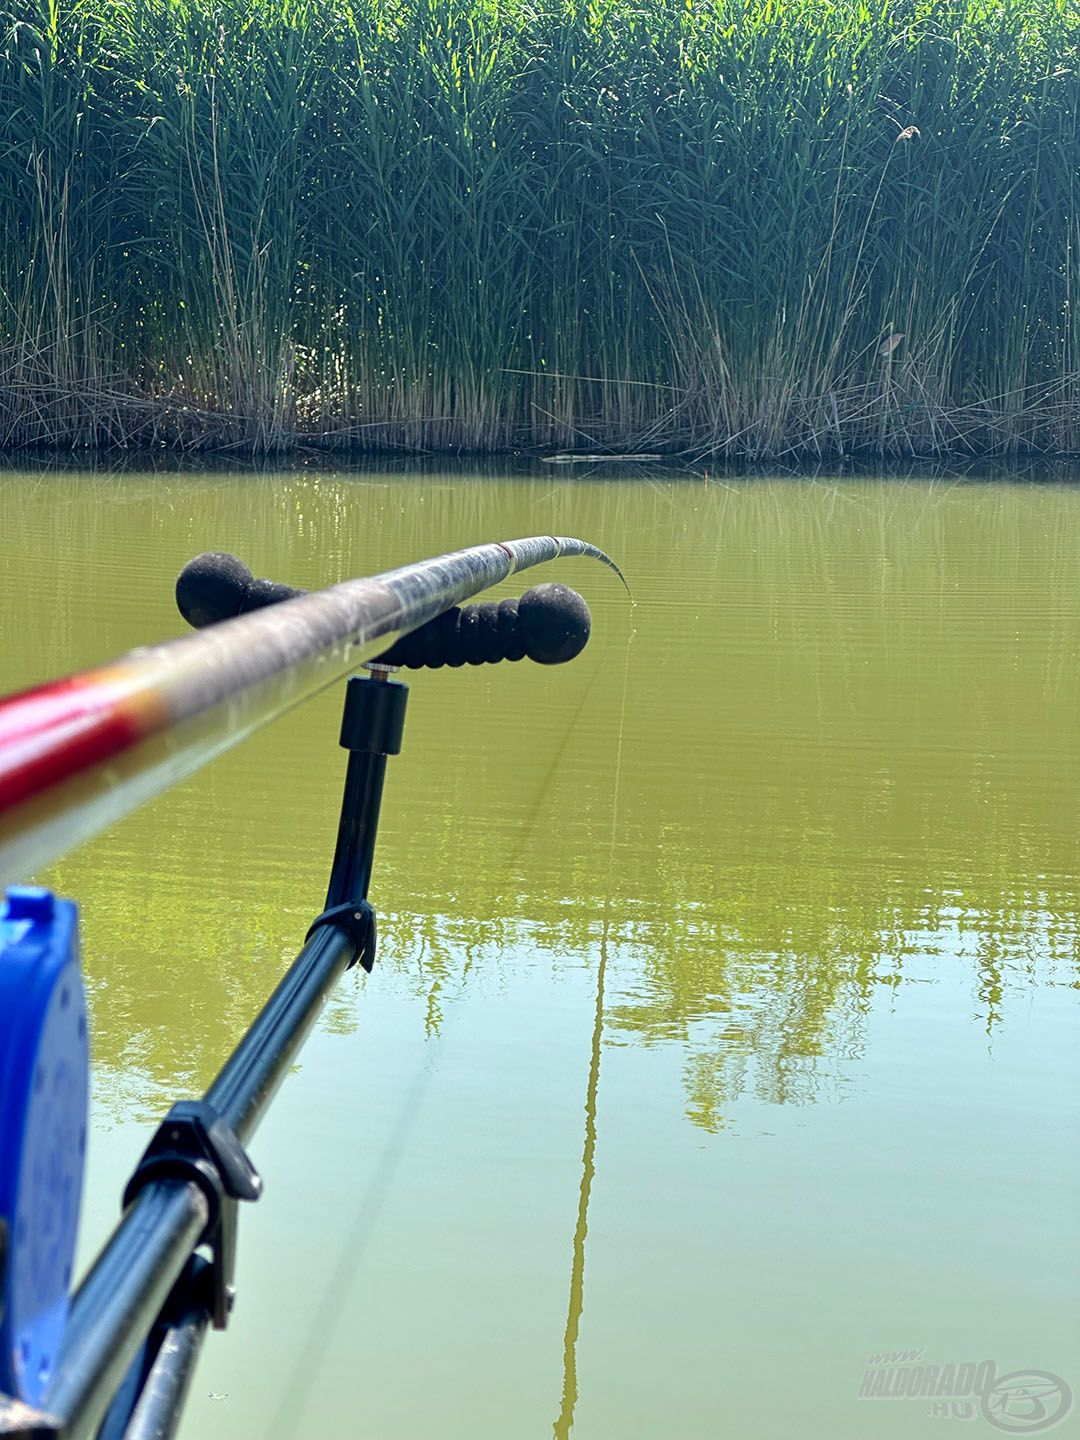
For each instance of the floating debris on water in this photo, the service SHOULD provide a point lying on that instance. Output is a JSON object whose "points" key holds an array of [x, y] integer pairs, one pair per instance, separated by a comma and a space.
{"points": [[597, 459]]}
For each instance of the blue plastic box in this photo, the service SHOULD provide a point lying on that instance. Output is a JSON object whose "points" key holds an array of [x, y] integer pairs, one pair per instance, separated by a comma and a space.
{"points": [[44, 1069]]}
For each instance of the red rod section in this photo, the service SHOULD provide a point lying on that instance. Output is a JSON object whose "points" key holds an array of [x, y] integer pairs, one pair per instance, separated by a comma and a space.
{"points": [[52, 732]]}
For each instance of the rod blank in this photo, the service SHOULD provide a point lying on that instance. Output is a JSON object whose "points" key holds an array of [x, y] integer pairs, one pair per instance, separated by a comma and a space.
{"points": [[79, 754]]}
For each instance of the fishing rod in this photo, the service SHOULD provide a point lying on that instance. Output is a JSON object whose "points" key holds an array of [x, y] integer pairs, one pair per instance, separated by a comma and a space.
{"points": [[114, 1359], [80, 753]]}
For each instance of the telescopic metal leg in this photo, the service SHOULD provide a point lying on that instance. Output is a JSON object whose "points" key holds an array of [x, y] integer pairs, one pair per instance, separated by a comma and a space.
{"points": [[157, 1413], [120, 1301]]}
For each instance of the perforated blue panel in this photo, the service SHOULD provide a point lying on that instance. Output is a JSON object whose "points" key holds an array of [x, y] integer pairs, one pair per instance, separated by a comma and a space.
{"points": [[43, 1098]]}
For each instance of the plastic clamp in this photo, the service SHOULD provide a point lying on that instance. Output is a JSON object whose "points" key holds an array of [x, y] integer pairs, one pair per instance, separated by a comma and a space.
{"points": [[357, 919], [194, 1143]]}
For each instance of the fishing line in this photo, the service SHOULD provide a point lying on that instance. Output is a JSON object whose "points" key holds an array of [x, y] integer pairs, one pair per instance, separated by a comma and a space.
{"points": [[334, 1300], [526, 831], [565, 1419]]}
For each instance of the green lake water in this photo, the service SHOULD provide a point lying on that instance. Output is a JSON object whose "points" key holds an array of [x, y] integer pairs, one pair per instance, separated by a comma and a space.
{"points": [[724, 1029]]}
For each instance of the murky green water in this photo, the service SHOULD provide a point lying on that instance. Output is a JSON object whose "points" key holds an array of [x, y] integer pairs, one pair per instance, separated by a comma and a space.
{"points": [[724, 1032]]}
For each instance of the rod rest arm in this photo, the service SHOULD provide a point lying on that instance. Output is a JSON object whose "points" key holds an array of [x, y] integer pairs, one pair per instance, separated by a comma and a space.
{"points": [[550, 623]]}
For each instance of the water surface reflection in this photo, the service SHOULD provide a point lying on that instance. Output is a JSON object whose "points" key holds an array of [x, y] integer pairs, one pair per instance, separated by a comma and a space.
{"points": [[811, 805]]}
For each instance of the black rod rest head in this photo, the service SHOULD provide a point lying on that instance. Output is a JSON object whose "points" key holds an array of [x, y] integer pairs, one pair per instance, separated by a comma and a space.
{"points": [[549, 624]]}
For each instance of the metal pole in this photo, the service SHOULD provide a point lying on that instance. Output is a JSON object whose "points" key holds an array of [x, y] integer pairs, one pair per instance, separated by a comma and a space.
{"points": [[156, 1416], [123, 1294], [121, 1297], [253, 1072], [372, 725]]}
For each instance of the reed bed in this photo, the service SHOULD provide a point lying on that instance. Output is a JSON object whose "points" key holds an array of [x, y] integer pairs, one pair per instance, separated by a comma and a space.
{"points": [[730, 229]]}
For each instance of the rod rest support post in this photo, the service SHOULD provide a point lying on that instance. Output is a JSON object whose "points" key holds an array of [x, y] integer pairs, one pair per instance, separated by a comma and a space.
{"points": [[372, 725], [373, 720], [194, 1143]]}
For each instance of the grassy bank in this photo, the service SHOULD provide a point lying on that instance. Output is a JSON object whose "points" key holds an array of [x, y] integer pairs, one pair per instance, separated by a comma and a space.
{"points": [[733, 229]]}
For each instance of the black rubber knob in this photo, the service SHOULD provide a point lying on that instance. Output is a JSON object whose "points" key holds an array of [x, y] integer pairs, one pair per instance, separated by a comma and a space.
{"points": [[211, 588], [216, 586], [550, 623], [554, 623]]}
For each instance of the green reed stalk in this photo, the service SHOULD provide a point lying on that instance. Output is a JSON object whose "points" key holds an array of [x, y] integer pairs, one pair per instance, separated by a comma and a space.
{"points": [[733, 228]]}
